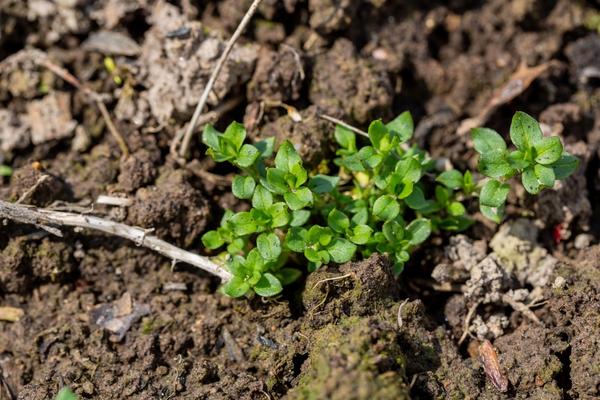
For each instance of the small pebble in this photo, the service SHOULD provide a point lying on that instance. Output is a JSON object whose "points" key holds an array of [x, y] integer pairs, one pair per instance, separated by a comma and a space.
{"points": [[559, 283], [583, 240]]}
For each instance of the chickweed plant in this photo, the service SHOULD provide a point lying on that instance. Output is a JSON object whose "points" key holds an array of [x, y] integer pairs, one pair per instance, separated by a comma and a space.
{"points": [[386, 197]]}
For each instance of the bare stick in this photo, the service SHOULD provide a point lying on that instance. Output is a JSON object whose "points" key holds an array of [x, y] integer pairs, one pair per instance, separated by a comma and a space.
{"points": [[213, 78], [67, 76], [342, 123], [467, 322], [113, 201], [50, 219]]}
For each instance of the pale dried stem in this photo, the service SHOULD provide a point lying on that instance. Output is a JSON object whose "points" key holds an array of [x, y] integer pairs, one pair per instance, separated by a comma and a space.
{"points": [[342, 123], [213, 78], [50, 220]]}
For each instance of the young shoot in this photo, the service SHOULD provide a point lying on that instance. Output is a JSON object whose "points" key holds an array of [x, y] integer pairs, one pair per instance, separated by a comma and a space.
{"points": [[386, 197]]}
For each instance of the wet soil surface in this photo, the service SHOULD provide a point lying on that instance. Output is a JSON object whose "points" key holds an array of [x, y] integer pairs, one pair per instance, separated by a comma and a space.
{"points": [[112, 320]]}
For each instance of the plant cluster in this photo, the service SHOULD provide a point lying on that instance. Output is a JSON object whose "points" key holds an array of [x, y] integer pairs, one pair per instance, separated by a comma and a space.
{"points": [[386, 197]]}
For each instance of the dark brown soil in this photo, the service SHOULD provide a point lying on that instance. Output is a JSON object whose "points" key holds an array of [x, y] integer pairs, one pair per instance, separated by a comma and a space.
{"points": [[343, 332]]}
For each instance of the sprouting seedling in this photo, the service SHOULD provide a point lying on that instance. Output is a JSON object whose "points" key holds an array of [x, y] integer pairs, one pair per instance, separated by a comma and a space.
{"points": [[386, 197], [539, 160], [66, 394], [5, 170]]}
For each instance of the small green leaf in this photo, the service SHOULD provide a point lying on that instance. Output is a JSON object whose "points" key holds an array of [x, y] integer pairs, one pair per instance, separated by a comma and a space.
{"points": [[268, 246], [386, 208], [393, 231], [352, 163], [5, 170], [525, 131], [319, 234], [456, 209], [235, 134], [247, 156], [360, 234], [275, 181], [402, 126], [299, 217], [452, 179], [338, 221], [517, 160], [418, 231], [341, 250], [66, 394], [495, 166], [288, 275], [548, 150], [262, 198], [268, 285], [494, 213], [212, 240], [299, 199], [442, 195], [323, 183], [287, 157], [380, 136], [565, 166], [493, 193], [300, 175], [210, 137], [345, 138], [409, 170], [265, 147], [530, 181], [236, 246], [243, 187], [487, 141], [417, 200], [545, 175], [236, 287], [468, 183], [296, 239], [279, 214], [369, 157], [243, 223]]}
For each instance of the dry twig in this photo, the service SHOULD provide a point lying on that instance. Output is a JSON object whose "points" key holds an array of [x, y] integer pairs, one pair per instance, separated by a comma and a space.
{"points": [[345, 125], [213, 78], [50, 220]]}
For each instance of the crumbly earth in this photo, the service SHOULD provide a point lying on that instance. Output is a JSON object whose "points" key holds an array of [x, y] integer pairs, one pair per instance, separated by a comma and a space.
{"points": [[113, 320]]}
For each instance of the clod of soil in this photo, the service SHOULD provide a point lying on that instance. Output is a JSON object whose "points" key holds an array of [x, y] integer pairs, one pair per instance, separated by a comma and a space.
{"points": [[347, 86]]}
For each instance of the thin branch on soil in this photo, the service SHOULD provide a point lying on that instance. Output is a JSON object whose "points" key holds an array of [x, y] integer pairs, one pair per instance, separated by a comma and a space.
{"points": [[68, 77], [467, 323], [335, 278], [49, 220], [113, 201], [342, 123], [213, 78], [32, 189]]}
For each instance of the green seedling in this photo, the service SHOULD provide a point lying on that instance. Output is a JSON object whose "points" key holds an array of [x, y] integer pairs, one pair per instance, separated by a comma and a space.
{"points": [[539, 160], [5, 170], [66, 394], [386, 197]]}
